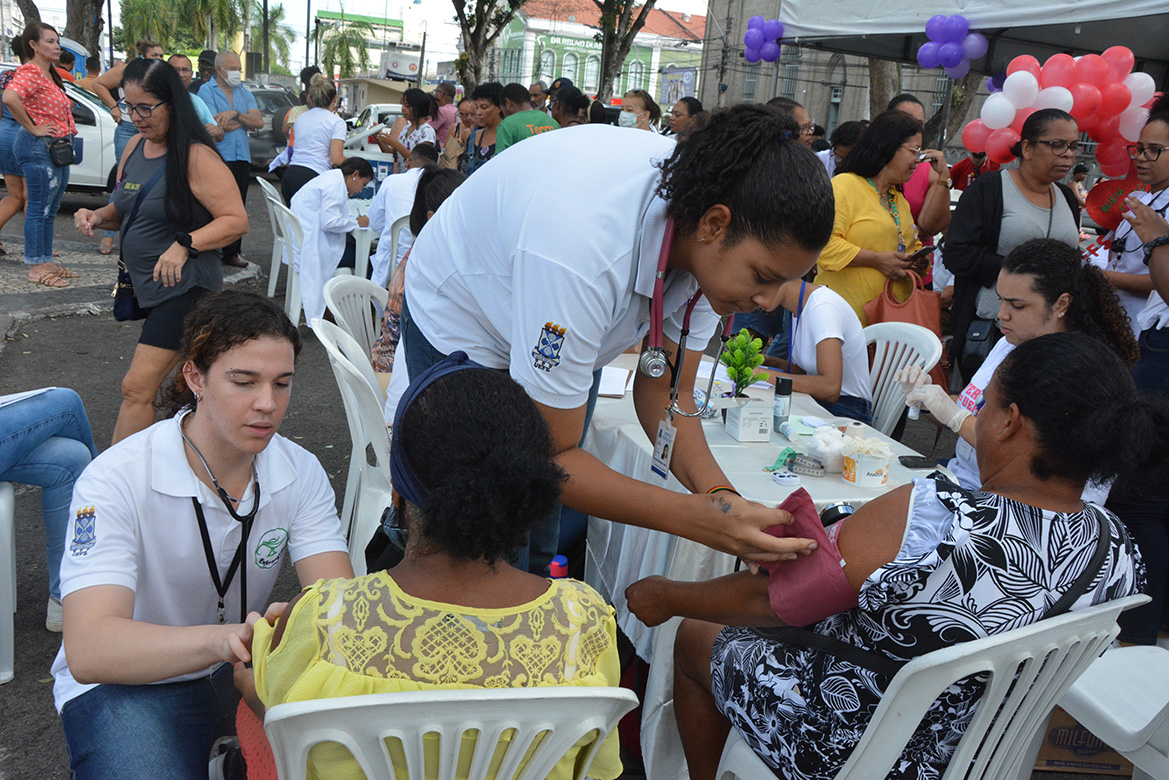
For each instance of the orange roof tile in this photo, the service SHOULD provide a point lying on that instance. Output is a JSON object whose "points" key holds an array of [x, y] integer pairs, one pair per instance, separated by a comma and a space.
{"points": [[670, 24]]}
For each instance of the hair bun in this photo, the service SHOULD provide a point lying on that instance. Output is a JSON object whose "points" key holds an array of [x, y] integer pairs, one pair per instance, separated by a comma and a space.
{"points": [[316, 80]]}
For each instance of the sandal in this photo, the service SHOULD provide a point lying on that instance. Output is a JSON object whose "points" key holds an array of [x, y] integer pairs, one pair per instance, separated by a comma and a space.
{"points": [[103, 249], [50, 279], [3, 250], [65, 273]]}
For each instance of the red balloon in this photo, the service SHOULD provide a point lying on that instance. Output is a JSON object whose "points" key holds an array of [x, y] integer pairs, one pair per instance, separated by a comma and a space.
{"points": [[1057, 71], [1106, 128], [1092, 69], [974, 136], [998, 145], [1116, 170], [1120, 60], [1114, 98], [1085, 100], [1112, 151], [1025, 62], [1086, 124], [1021, 117]]}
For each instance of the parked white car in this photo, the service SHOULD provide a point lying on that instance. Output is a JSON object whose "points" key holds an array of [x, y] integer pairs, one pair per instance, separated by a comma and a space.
{"points": [[368, 122], [95, 129]]}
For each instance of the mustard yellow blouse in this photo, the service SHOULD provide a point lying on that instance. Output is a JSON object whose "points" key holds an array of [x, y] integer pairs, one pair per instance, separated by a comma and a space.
{"points": [[367, 635], [863, 223]]}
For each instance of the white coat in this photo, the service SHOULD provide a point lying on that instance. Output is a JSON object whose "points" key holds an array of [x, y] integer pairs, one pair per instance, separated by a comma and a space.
{"points": [[394, 199], [322, 206]]}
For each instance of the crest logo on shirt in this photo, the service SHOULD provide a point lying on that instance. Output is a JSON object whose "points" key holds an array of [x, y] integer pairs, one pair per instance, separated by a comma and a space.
{"points": [[84, 531], [270, 547], [547, 351]]}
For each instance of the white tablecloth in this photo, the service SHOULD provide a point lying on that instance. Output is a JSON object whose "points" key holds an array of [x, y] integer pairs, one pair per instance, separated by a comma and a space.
{"points": [[618, 555]]}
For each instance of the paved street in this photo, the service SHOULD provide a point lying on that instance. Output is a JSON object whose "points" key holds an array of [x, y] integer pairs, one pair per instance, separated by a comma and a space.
{"points": [[69, 338]]}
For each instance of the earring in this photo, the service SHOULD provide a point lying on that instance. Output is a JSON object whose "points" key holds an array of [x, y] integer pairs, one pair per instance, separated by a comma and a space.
{"points": [[1061, 314], [701, 239]]}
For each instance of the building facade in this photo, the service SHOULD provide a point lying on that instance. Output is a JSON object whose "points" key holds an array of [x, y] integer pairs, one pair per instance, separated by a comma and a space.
{"points": [[385, 40], [549, 39]]}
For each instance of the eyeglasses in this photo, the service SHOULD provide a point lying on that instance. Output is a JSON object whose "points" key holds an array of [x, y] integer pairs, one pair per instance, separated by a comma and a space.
{"points": [[1061, 147], [915, 149], [183, 70], [1147, 153], [809, 128], [142, 111]]}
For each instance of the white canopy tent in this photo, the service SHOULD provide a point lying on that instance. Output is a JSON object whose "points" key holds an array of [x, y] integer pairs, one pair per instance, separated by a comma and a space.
{"points": [[895, 29]]}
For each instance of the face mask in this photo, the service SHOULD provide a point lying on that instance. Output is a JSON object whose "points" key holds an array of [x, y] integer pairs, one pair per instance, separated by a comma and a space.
{"points": [[627, 119], [234, 77]]}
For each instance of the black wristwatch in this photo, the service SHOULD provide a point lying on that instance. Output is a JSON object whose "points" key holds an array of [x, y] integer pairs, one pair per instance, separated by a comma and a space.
{"points": [[184, 240], [1151, 245]]}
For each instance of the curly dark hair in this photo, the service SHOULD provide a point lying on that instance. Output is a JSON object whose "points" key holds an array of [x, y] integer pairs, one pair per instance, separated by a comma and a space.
{"points": [[877, 144], [490, 482], [1055, 269], [489, 90], [1089, 419], [220, 322], [749, 159]]}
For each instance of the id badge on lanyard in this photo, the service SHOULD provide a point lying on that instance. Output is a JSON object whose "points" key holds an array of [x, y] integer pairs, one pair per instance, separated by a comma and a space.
{"points": [[663, 449]]}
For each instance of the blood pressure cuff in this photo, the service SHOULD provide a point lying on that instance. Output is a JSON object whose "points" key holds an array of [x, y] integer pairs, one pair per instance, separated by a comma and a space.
{"points": [[812, 587]]}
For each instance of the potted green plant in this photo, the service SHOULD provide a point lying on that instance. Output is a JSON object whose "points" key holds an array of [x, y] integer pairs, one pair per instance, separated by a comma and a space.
{"points": [[746, 421]]}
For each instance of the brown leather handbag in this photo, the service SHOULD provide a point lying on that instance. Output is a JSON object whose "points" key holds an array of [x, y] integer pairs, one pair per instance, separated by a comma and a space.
{"points": [[923, 307]]}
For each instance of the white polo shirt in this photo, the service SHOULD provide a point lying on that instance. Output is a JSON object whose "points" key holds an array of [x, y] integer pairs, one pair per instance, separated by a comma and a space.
{"points": [[132, 523], [543, 262], [826, 315]]}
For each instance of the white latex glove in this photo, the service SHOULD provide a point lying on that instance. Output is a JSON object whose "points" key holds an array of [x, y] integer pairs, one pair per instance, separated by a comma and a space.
{"points": [[911, 378], [940, 405]]}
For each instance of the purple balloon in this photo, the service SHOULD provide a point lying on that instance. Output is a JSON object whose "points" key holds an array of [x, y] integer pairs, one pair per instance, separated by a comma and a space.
{"points": [[991, 86], [753, 38], [770, 51], [974, 46], [950, 54], [752, 56], [935, 28], [755, 23], [927, 55], [772, 29], [955, 28], [959, 70]]}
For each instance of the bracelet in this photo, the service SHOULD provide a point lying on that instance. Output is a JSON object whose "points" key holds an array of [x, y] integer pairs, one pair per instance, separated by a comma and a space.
{"points": [[718, 488]]}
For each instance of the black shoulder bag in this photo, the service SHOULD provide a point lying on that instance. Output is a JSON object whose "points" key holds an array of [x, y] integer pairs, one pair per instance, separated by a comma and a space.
{"points": [[881, 664], [125, 301]]}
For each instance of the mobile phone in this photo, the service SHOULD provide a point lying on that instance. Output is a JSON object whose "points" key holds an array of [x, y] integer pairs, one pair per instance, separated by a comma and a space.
{"points": [[916, 462], [922, 157], [922, 253]]}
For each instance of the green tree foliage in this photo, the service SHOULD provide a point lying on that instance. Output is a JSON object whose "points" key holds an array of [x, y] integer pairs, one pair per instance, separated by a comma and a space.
{"points": [[280, 35], [480, 23], [344, 49], [152, 20]]}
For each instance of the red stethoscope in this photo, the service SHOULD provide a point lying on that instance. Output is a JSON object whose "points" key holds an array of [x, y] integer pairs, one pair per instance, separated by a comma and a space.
{"points": [[653, 362]]}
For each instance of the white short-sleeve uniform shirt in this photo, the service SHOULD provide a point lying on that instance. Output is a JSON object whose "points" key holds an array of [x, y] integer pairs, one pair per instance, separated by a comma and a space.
{"points": [[543, 262], [132, 523], [826, 315]]}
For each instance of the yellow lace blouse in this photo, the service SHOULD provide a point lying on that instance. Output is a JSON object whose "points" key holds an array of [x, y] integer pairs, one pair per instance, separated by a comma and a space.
{"points": [[363, 636]]}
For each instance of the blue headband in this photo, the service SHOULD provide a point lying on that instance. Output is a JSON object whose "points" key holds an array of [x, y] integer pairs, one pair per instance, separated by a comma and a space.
{"points": [[405, 481]]}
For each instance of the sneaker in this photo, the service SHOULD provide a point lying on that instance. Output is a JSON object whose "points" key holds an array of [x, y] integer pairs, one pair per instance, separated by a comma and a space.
{"points": [[54, 617]]}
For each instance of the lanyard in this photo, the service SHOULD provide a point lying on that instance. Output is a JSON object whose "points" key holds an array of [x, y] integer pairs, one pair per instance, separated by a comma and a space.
{"points": [[796, 328], [889, 203], [221, 585], [1123, 248]]}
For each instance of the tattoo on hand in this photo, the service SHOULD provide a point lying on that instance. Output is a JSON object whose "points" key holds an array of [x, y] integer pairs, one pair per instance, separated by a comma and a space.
{"points": [[723, 505]]}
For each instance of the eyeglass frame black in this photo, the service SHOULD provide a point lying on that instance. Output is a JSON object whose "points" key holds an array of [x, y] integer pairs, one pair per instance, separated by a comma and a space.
{"points": [[137, 110], [1074, 146], [1136, 149]]}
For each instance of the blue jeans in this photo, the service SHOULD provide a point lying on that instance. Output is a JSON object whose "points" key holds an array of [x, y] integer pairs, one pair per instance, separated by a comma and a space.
{"points": [[131, 732], [122, 135], [544, 536], [1145, 512], [44, 184], [775, 324], [45, 441], [850, 406]]}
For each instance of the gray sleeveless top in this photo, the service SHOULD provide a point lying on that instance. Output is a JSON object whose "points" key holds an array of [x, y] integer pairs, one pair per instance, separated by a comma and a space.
{"points": [[152, 233]]}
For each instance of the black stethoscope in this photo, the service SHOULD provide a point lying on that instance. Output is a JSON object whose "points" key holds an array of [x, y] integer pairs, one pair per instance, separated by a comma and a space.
{"points": [[1123, 249], [237, 562], [653, 361]]}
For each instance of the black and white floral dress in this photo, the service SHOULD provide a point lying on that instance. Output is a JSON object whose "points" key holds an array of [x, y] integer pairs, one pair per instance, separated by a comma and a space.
{"points": [[971, 564]]}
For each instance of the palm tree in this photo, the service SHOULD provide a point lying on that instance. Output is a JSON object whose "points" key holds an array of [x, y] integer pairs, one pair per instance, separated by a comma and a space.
{"points": [[207, 19], [344, 47], [280, 35], [152, 20]]}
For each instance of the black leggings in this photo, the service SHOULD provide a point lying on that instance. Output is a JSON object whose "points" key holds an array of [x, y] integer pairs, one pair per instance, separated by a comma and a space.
{"points": [[295, 177]]}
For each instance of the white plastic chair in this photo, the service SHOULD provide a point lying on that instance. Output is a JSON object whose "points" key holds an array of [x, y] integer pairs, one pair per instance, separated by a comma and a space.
{"points": [[362, 724], [1123, 698], [898, 345], [367, 488], [273, 196], [7, 579], [399, 224], [293, 233], [357, 305], [1029, 669]]}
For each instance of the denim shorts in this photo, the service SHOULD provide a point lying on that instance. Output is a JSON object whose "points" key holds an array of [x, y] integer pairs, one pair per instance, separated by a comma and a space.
{"points": [[8, 128]]}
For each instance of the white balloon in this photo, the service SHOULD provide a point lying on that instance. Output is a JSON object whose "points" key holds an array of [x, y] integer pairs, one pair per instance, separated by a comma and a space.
{"points": [[1142, 87], [1055, 97], [1132, 122], [1021, 88], [998, 111]]}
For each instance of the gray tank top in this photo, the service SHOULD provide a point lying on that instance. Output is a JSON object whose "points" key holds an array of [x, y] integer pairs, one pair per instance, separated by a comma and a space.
{"points": [[152, 233]]}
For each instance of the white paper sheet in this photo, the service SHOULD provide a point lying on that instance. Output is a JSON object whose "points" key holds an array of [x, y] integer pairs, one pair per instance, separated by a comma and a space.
{"points": [[614, 382]]}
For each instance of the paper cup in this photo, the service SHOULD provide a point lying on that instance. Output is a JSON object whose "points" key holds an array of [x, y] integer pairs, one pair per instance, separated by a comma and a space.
{"points": [[866, 470]]}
